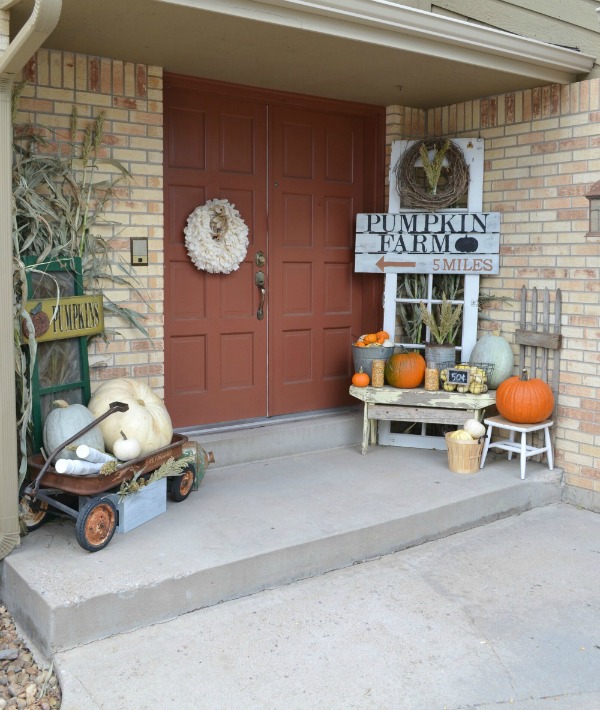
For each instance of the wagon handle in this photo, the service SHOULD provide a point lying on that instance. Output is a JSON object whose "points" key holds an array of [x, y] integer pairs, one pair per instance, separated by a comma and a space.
{"points": [[113, 407]]}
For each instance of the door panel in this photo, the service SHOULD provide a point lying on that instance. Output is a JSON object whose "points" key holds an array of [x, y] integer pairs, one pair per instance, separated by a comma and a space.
{"points": [[311, 172], [215, 348], [315, 188]]}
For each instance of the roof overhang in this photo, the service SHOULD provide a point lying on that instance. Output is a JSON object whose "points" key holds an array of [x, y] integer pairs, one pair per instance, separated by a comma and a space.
{"points": [[373, 51]]}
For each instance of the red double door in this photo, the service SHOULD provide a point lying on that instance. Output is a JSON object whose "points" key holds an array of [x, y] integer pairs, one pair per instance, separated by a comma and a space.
{"points": [[272, 337]]}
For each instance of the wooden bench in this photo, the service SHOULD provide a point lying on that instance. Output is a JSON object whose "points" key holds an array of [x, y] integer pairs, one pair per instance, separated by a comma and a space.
{"points": [[417, 405]]}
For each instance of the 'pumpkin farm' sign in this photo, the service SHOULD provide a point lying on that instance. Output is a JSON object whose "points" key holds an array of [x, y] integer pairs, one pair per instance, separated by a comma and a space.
{"points": [[65, 317], [428, 243]]}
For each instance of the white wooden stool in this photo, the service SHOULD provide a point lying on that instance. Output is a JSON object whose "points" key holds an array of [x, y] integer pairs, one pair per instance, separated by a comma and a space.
{"points": [[518, 447]]}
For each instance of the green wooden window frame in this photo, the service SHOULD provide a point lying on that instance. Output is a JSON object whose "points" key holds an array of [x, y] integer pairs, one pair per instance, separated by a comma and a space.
{"points": [[74, 387]]}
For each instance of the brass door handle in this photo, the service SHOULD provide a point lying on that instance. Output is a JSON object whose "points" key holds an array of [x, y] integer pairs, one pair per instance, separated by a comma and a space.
{"points": [[259, 280]]}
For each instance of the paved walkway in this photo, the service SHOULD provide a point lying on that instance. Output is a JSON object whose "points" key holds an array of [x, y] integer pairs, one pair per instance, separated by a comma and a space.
{"points": [[501, 616]]}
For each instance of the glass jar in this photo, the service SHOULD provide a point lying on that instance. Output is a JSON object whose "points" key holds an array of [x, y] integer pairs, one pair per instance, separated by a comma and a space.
{"points": [[377, 373], [432, 377]]}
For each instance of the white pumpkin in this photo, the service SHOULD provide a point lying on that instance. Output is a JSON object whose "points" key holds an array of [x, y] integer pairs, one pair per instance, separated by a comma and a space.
{"points": [[126, 449], [474, 428], [63, 422], [146, 421]]}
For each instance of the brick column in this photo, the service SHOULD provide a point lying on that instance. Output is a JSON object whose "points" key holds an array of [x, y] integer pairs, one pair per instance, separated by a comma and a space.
{"points": [[131, 97]]}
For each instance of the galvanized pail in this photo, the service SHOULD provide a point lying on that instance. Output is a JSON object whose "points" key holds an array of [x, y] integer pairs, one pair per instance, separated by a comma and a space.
{"points": [[363, 357]]}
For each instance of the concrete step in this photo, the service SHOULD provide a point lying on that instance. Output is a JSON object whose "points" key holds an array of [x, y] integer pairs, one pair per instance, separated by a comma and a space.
{"points": [[253, 526], [257, 440]]}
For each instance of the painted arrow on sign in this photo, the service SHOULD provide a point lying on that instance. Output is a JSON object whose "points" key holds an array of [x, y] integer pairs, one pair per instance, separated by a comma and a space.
{"points": [[382, 263]]}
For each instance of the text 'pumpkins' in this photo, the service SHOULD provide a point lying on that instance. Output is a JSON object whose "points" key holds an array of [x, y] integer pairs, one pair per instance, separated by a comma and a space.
{"points": [[405, 370], [147, 419]]}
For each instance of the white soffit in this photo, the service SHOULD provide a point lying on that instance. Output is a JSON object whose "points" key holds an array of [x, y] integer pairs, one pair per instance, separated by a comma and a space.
{"points": [[370, 51], [389, 24]]}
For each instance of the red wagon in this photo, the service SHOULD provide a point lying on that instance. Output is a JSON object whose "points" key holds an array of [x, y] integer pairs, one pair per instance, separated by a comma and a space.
{"points": [[97, 518]]}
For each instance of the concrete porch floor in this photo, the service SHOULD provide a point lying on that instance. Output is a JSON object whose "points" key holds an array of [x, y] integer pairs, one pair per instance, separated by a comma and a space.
{"points": [[253, 526]]}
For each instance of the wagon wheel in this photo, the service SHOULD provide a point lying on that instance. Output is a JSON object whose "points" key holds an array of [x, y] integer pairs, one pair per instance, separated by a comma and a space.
{"points": [[33, 513], [96, 524], [181, 486]]}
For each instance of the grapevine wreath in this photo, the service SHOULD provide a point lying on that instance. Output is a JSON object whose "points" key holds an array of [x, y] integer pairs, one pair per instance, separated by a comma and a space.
{"points": [[216, 237], [449, 160]]}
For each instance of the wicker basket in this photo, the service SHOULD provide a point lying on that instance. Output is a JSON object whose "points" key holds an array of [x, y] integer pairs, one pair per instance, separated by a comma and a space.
{"points": [[464, 456]]}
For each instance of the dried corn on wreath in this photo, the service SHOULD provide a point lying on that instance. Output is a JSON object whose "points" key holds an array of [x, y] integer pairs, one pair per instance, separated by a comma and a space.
{"points": [[216, 237]]}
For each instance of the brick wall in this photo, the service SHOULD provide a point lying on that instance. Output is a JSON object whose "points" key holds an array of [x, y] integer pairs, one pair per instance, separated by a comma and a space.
{"points": [[541, 158], [131, 96]]}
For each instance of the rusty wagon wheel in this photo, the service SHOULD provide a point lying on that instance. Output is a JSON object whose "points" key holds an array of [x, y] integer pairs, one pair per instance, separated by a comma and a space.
{"points": [[33, 513], [181, 486], [96, 524]]}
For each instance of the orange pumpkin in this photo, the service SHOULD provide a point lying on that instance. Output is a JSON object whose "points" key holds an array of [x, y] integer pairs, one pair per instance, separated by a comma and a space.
{"points": [[405, 370], [360, 378], [524, 401]]}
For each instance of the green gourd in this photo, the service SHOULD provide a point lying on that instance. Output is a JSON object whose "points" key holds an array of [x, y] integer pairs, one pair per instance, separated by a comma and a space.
{"points": [[63, 422], [494, 350]]}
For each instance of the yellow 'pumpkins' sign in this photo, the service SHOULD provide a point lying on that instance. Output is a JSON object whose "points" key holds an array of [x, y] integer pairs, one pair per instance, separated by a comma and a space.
{"points": [[65, 317]]}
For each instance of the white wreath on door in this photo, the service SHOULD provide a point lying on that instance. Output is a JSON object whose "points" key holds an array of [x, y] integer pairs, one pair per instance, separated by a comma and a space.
{"points": [[216, 237]]}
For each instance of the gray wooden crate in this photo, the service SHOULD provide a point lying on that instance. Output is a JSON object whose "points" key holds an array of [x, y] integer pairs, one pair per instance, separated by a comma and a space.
{"points": [[137, 508]]}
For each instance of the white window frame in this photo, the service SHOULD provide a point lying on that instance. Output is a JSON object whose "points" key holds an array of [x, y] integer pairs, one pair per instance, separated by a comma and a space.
{"points": [[473, 150]]}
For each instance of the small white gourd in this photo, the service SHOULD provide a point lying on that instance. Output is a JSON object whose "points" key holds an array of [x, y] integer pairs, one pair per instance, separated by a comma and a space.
{"points": [[126, 449], [475, 428]]}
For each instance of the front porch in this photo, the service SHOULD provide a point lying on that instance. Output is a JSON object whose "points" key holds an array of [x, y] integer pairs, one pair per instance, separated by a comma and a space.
{"points": [[277, 516]]}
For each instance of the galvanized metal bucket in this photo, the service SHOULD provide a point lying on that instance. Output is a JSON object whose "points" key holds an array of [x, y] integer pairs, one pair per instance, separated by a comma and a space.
{"points": [[363, 357]]}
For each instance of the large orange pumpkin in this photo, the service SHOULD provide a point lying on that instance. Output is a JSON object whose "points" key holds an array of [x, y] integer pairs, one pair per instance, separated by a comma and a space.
{"points": [[405, 370], [524, 401]]}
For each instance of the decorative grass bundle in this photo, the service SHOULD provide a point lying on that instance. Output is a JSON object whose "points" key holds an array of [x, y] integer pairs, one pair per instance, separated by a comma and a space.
{"points": [[443, 327], [171, 467]]}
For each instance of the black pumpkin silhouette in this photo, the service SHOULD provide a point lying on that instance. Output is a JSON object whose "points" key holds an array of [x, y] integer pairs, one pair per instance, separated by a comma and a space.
{"points": [[467, 244]]}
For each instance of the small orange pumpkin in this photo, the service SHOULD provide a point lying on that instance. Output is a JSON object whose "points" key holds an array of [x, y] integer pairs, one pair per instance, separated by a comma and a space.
{"points": [[524, 401], [405, 370], [360, 378]]}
